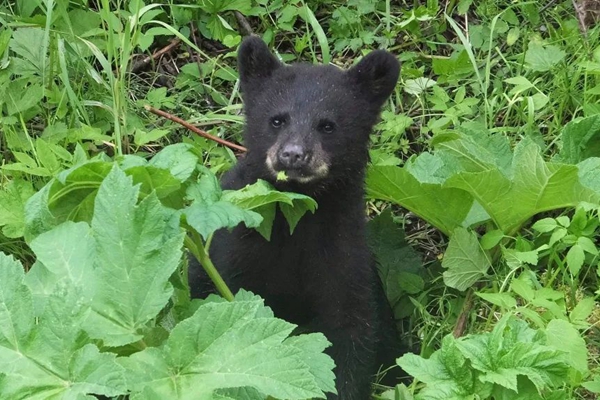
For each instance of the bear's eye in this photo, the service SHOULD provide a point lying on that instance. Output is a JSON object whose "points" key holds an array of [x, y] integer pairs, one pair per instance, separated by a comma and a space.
{"points": [[277, 122], [326, 126]]}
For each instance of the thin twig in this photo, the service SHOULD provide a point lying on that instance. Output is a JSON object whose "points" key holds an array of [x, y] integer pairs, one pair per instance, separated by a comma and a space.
{"points": [[146, 60], [461, 324], [243, 24], [192, 128]]}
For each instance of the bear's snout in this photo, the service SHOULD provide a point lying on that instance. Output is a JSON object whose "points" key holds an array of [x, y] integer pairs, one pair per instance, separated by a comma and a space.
{"points": [[293, 156]]}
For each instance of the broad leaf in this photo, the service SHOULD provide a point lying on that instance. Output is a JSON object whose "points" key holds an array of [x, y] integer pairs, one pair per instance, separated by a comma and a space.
{"points": [[230, 345], [263, 198], [207, 218], [533, 186], [178, 159], [44, 356], [543, 58], [445, 208], [12, 207], [563, 336], [138, 246], [465, 260], [580, 139]]}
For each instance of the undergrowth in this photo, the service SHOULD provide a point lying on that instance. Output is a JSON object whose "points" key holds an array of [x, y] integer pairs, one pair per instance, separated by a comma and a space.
{"points": [[483, 191]]}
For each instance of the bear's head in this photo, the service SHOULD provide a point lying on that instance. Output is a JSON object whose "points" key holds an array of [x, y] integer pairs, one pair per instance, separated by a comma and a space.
{"points": [[311, 122]]}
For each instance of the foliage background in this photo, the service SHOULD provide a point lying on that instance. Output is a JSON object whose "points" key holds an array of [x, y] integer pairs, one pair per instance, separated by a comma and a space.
{"points": [[483, 187]]}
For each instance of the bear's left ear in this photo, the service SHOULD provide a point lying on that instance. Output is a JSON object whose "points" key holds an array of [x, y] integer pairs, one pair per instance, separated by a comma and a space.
{"points": [[255, 60], [376, 74]]}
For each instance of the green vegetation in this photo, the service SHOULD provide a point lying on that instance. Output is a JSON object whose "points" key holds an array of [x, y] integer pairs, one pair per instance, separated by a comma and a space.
{"points": [[483, 191]]}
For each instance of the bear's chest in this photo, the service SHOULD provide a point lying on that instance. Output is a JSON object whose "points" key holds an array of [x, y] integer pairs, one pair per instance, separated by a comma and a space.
{"points": [[291, 271]]}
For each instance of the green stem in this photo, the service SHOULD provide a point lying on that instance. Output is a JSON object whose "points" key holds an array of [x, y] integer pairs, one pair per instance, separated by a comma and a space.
{"points": [[197, 248]]}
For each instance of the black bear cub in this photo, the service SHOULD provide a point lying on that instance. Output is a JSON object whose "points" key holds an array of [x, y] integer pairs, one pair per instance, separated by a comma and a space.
{"points": [[313, 123]]}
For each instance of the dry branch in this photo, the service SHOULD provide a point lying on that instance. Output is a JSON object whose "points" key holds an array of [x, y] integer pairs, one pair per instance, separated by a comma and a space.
{"points": [[194, 129]]}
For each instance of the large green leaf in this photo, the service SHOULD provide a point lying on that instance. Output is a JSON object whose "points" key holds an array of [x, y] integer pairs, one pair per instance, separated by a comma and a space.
{"points": [[65, 256], [137, 246], [445, 208], [580, 139], [207, 218], [563, 336], [533, 186], [44, 355], [230, 345]]}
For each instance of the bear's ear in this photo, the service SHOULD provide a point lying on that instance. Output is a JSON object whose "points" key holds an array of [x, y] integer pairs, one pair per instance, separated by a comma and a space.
{"points": [[376, 75], [255, 60]]}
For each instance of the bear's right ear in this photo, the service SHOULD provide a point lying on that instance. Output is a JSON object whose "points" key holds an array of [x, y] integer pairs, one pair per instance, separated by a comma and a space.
{"points": [[376, 75], [255, 60]]}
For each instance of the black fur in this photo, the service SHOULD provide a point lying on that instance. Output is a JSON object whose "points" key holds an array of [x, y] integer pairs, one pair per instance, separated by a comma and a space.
{"points": [[323, 276]]}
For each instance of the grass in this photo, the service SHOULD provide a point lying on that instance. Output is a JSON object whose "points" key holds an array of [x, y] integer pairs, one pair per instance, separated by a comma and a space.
{"points": [[523, 70]]}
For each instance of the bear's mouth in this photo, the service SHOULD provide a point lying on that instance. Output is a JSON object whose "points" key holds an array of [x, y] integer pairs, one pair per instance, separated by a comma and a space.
{"points": [[307, 174]]}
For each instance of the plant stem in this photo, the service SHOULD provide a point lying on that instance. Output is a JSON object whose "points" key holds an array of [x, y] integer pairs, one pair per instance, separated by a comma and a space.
{"points": [[197, 248]]}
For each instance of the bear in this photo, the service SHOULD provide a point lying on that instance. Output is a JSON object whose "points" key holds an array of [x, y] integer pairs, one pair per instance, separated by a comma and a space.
{"points": [[313, 123]]}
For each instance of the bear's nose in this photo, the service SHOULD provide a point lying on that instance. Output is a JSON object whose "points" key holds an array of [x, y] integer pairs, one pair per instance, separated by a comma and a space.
{"points": [[293, 156]]}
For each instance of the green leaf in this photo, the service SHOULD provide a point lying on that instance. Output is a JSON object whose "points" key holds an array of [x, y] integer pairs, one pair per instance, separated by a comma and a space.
{"points": [[575, 259], [16, 305], [38, 218], [206, 219], [543, 58], [533, 186], [229, 345], [218, 6], [152, 179], [522, 287], [563, 336], [520, 83], [26, 42], [12, 207], [464, 260], [491, 239], [25, 100], [262, 197], [581, 312], [47, 158], [65, 256], [418, 86], [511, 350], [138, 248], [320, 365], [512, 36], [178, 159], [594, 385], [444, 208], [42, 356], [587, 245], [446, 373], [545, 225], [142, 138], [503, 300]]}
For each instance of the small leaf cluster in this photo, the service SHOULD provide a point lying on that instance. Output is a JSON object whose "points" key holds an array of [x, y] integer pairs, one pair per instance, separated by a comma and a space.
{"points": [[511, 361]]}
